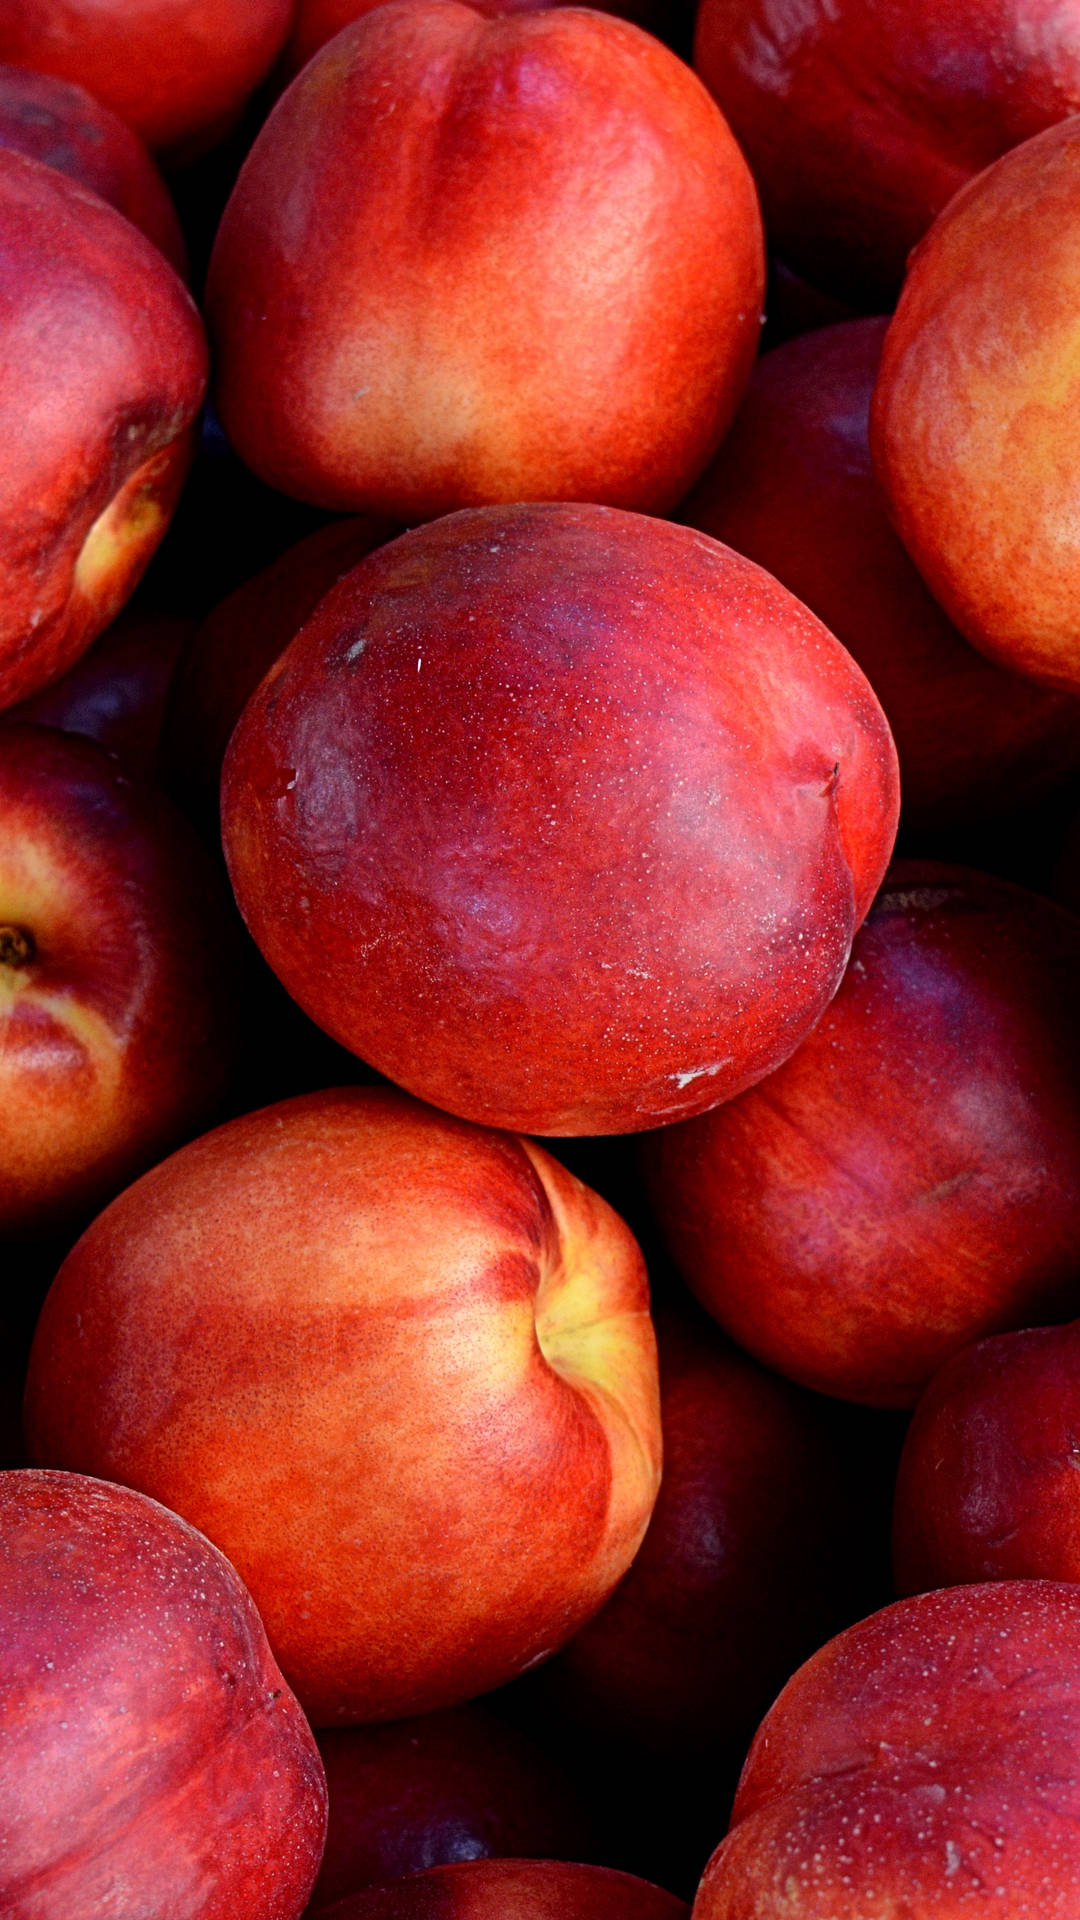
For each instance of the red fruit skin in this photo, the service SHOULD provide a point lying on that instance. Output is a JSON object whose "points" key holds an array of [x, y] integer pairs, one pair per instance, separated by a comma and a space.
{"points": [[116, 693], [757, 1502], [910, 1180], [975, 410], [987, 1488], [241, 639], [923, 1763], [862, 118], [317, 21], [793, 488], [95, 433], [177, 71], [596, 862], [153, 1760], [513, 1890], [457, 1785], [573, 316], [116, 979], [401, 1369], [63, 126]]}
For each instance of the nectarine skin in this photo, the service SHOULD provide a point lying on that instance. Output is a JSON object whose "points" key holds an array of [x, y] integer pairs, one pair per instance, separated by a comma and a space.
{"points": [[561, 817], [513, 1890], [153, 1760], [923, 1763], [117, 979], [62, 125], [910, 1179], [399, 1368], [242, 637], [471, 260], [793, 488], [861, 118], [103, 368], [975, 413], [988, 1487], [178, 71]]}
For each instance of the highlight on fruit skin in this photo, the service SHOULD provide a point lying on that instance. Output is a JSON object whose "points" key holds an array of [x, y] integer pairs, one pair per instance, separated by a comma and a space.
{"points": [[793, 488], [118, 980], [975, 411], [86, 496], [925, 1760], [862, 118], [909, 1180], [987, 1487], [153, 1757], [447, 1341], [177, 71], [534, 273], [562, 818]]}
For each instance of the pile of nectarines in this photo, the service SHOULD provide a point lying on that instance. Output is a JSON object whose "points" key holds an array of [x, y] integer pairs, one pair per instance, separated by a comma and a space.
{"points": [[539, 960]]}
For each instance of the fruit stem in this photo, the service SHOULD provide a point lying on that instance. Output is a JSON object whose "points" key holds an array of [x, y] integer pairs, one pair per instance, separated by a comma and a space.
{"points": [[16, 947]]}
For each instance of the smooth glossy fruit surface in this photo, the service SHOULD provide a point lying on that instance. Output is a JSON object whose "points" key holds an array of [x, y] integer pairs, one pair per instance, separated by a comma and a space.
{"points": [[910, 1179], [95, 431], [513, 1890], [401, 1369], [793, 488], [178, 71], [561, 817], [988, 1487], [472, 260], [117, 979], [862, 118], [923, 1763], [62, 125], [976, 408], [153, 1761]]}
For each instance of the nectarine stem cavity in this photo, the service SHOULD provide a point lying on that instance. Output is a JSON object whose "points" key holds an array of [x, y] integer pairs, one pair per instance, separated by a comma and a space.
{"points": [[16, 947]]}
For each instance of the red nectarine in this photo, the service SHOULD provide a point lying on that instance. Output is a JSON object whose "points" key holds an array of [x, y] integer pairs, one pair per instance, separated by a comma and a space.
{"points": [[473, 260], [910, 1179], [153, 1760], [401, 1369], [561, 817], [102, 368]]}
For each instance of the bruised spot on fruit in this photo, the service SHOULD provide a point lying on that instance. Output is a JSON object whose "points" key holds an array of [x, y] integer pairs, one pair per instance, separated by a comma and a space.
{"points": [[16, 947]]}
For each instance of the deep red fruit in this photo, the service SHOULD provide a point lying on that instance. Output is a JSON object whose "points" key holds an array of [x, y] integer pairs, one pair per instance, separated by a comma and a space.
{"points": [[153, 1760], [793, 488], [910, 1180], [923, 1763], [513, 1890], [563, 818], [862, 118], [988, 1487]]}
